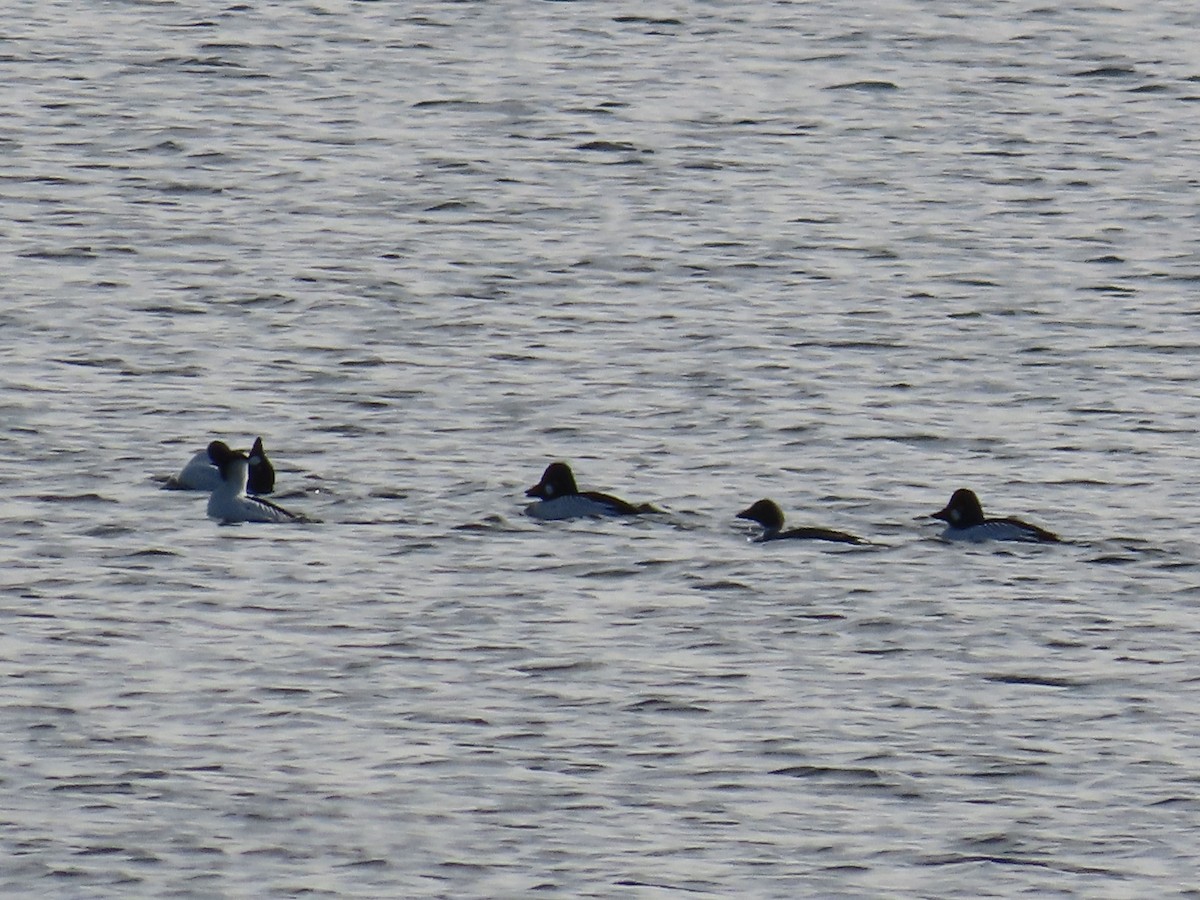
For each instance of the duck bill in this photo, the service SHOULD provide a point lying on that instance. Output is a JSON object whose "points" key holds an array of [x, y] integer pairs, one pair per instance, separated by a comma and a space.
{"points": [[943, 514], [536, 491]]}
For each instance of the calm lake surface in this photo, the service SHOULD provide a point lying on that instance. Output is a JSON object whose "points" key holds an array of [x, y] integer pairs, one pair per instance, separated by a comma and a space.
{"points": [[850, 258]]}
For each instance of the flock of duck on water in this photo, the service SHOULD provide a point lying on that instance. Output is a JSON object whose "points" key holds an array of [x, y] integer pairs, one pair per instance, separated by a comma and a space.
{"points": [[237, 480]]}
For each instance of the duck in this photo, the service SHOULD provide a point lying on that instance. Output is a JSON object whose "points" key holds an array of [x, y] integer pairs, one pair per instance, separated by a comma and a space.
{"points": [[965, 521], [767, 513], [200, 474], [229, 501], [560, 498]]}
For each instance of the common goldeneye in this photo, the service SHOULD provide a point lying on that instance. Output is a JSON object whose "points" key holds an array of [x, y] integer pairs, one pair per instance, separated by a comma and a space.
{"points": [[201, 475], [965, 521], [561, 498], [768, 514], [228, 501]]}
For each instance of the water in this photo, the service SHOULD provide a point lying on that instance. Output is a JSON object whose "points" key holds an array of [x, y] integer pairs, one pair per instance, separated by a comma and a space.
{"points": [[849, 259]]}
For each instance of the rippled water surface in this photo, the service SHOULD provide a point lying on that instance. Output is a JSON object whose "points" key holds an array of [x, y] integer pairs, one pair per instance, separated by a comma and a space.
{"points": [[848, 258]]}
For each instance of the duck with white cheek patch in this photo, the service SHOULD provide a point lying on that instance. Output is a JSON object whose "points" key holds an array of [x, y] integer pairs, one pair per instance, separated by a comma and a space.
{"points": [[965, 521], [229, 502], [560, 498], [200, 473]]}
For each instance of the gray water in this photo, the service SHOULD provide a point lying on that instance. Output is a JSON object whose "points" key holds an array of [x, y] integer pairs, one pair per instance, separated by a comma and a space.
{"points": [[849, 256]]}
